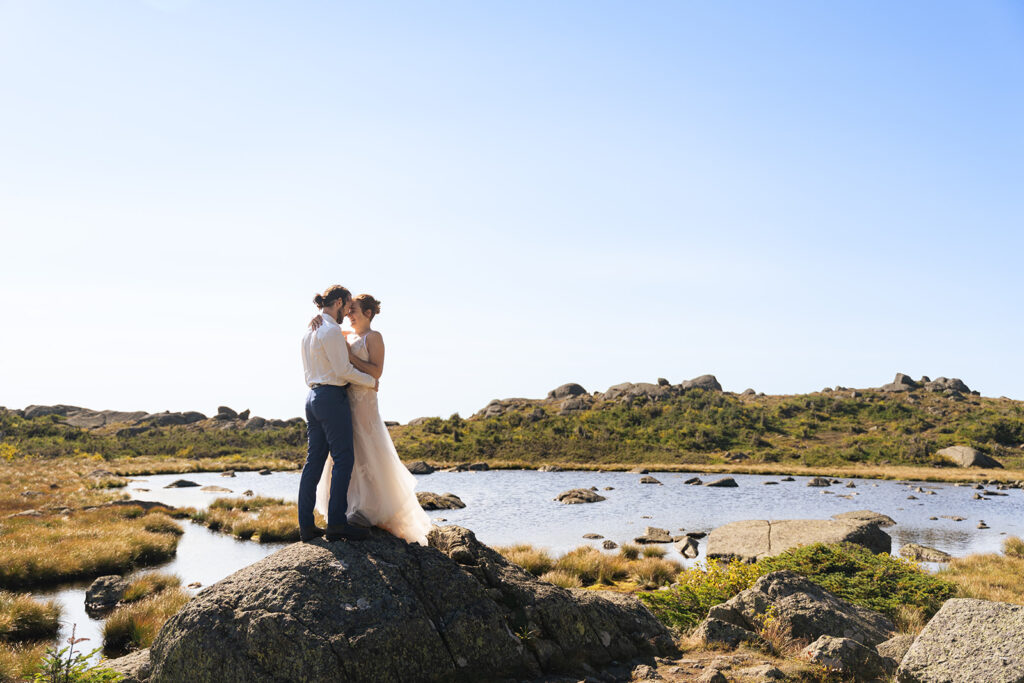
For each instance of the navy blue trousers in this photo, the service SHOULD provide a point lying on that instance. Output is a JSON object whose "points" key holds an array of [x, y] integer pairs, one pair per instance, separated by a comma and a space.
{"points": [[329, 429]]}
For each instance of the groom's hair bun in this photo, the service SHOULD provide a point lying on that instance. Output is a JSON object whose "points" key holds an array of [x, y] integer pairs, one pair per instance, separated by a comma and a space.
{"points": [[368, 305], [330, 295]]}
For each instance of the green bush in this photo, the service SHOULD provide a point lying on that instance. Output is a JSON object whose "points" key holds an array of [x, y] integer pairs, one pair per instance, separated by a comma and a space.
{"points": [[879, 582]]}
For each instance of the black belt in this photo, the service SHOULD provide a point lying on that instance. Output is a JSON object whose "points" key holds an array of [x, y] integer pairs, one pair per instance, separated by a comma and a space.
{"points": [[317, 386]]}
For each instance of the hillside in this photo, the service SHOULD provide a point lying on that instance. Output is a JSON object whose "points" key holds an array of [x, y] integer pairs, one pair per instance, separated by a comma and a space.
{"points": [[691, 423]]}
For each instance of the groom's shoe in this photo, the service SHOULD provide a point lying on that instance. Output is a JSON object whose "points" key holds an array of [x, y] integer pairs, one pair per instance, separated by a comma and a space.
{"points": [[309, 533], [347, 532]]}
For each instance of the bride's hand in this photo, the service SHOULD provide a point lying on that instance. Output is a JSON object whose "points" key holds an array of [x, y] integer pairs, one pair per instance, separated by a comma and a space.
{"points": [[316, 322]]}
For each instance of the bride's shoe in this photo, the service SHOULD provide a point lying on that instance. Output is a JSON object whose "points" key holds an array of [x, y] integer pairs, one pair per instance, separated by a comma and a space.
{"points": [[358, 519]]}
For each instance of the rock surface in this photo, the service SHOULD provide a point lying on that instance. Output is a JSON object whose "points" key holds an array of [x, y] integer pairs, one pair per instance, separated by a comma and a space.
{"points": [[567, 391], [922, 553], [435, 501], [965, 456], [895, 648], [868, 516], [752, 540], [385, 610], [575, 496], [803, 610], [133, 667], [420, 467], [846, 656], [968, 640], [724, 482], [104, 593], [654, 535]]}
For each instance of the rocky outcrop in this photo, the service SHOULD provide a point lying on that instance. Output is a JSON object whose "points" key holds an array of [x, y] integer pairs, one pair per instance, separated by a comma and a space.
{"points": [[802, 609], [717, 632], [104, 593], [567, 391], [922, 553], [901, 383], [385, 610], [867, 516], [751, 540], [442, 501], [968, 640], [575, 496], [965, 456], [705, 382], [628, 390], [848, 658]]}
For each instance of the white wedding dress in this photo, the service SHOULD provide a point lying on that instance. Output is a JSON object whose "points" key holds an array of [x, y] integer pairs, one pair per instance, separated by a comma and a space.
{"points": [[382, 489]]}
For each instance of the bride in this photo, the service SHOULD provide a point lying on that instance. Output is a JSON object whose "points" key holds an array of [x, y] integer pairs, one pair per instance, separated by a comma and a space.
{"points": [[381, 492]]}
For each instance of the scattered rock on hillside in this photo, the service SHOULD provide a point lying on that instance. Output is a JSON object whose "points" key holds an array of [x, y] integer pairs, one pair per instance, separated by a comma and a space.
{"points": [[181, 484], [724, 482], [104, 593], [382, 609], [847, 657], [420, 467], [867, 516], [575, 496], [802, 610], [922, 553], [943, 384], [901, 383], [751, 540], [965, 456], [747, 392], [443, 501], [567, 391], [968, 640]]}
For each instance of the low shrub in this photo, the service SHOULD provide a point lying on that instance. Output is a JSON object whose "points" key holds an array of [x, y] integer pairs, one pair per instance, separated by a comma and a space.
{"points": [[652, 572]]}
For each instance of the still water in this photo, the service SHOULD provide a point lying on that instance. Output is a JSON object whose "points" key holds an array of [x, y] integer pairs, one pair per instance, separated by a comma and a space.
{"points": [[518, 506]]}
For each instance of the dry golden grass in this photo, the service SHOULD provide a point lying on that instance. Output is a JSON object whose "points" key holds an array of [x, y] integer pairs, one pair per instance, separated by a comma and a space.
{"points": [[161, 523], [537, 561], [266, 520], [991, 576], [143, 465], [149, 584], [24, 618], [630, 551], [653, 551], [18, 662], [560, 577], [910, 619], [106, 540], [653, 572], [134, 626]]}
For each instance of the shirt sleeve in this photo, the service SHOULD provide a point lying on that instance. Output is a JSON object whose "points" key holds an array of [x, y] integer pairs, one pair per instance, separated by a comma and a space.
{"points": [[337, 355]]}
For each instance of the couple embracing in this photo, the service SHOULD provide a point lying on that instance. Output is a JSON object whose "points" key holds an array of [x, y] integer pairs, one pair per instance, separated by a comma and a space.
{"points": [[352, 473]]}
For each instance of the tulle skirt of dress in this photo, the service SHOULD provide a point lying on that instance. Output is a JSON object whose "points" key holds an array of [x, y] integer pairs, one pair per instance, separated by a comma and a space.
{"points": [[382, 488]]}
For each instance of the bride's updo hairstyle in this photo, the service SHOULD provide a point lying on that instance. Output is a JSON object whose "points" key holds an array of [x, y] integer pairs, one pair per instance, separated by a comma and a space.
{"points": [[368, 305], [331, 295]]}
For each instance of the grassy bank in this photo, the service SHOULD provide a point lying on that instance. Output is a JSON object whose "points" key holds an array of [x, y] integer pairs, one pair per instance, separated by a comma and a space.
{"points": [[148, 602], [261, 519]]}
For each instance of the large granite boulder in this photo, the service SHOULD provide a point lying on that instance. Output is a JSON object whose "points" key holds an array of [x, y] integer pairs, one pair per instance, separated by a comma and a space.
{"points": [[802, 609], [705, 382], [966, 641], [751, 540], [567, 391], [133, 667], [847, 658], [895, 648], [965, 456], [386, 610]]}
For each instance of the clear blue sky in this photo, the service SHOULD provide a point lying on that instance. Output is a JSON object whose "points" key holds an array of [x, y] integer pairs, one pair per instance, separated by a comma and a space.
{"points": [[788, 195]]}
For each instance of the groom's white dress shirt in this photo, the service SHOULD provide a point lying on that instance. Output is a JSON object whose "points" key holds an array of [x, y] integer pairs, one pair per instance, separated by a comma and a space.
{"points": [[325, 357]]}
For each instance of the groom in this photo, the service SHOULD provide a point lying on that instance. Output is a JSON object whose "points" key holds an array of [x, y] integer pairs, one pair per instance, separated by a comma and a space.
{"points": [[329, 418]]}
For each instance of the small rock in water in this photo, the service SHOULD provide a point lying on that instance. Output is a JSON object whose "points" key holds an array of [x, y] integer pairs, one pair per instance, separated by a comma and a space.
{"points": [[592, 536], [645, 517], [911, 497], [265, 472], [649, 480], [195, 584], [770, 483], [215, 489], [955, 518], [693, 481], [982, 525], [248, 492], [609, 488], [575, 496], [933, 518], [609, 544], [851, 485], [229, 473], [181, 484], [654, 535], [787, 479], [819, 481], [726, 482]]}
